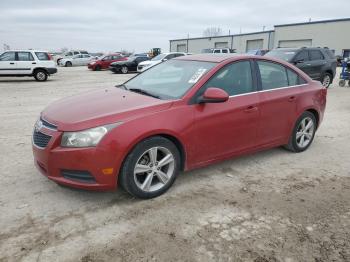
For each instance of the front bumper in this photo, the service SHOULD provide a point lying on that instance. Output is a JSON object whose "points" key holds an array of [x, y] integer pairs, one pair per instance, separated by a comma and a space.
{"points": [[114, 69], [53, 161]]}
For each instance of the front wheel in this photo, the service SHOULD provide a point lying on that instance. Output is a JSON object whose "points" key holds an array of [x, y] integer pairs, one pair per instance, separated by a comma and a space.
{"points": [[151, 168], [40, 75], [326, 80], [303, 133], [68, 64], [125, 70]]}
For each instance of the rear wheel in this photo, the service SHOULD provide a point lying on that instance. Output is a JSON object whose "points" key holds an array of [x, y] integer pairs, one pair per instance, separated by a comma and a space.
{"points": [[40, 75], [97, 68], [68, 64], [151, 168], [326, 80], [341, 82], [303, 133], [125, 70]]}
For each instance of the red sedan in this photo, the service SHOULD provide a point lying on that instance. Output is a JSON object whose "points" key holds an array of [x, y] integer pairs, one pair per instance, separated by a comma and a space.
{"points": [[105, 61], [182, 114]]}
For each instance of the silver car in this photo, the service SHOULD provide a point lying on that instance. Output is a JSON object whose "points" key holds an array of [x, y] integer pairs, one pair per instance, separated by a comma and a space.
{"points": [[76, 60]]}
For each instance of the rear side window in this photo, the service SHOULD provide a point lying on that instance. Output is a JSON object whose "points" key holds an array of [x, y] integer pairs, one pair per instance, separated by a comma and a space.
{"points": [[42, 56], [235, 79], [330, 53], [217, 51], [224, 50], [272, 75], [316, 55], [25, 56], [8, 56]]}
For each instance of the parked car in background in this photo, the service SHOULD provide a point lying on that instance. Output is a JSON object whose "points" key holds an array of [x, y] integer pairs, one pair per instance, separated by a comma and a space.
{"points": [[217, 51], [76, 60], [185, 113], [261, 52], [129, 65], [105, 61], [27, 63], [157, 60], [70, 54], [318, 63]]}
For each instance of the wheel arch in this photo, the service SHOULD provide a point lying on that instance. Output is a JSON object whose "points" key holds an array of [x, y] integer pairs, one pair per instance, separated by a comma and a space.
{"points": [[316, 115], [40, 68]]}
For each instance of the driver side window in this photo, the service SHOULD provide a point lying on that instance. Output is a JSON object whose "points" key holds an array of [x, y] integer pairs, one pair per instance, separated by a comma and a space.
{"points": [[235, 79]]}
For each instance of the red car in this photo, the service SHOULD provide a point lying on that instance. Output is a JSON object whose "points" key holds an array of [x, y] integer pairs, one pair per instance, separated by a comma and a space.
{"points": [[105, 61], [182, 114]]}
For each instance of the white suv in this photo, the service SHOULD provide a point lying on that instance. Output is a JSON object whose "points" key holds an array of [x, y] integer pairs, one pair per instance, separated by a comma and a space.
{"points": [[27, 63]]}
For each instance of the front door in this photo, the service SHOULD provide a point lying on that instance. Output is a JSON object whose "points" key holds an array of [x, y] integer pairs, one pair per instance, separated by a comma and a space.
{"points": [[225, 128], [8, 63]]}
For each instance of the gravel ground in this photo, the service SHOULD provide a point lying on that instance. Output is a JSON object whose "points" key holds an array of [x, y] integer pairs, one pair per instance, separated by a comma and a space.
{"points": [[269, 206]]}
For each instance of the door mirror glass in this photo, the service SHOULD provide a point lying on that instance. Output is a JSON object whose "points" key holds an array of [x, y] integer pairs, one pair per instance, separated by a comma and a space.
{"points": [[214, 95]]}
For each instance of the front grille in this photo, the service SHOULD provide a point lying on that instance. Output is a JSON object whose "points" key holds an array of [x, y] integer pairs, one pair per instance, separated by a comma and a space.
{"points": [[40, 139], [48, 124], [79, 176]]}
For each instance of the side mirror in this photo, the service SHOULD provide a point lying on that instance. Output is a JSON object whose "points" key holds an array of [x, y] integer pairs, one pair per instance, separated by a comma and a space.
{"points": [[213, 95]]}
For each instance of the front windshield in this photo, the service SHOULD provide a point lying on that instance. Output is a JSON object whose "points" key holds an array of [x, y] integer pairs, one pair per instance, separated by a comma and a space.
{"points": [[170, 80], [158, 57], [285, 55]]}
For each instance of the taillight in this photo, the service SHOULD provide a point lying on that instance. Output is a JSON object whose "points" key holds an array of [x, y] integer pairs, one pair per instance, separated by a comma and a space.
{"points": [[49, 56]]}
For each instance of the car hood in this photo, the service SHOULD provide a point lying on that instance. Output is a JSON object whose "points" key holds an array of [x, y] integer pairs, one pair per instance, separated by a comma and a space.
{"points": [[150, 63], [101, 107]]}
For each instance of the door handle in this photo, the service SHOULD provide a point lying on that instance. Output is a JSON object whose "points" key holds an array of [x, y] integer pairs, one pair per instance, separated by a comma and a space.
{"points": [[291, 99], [251, 109], [12, 63], [34, 63]]}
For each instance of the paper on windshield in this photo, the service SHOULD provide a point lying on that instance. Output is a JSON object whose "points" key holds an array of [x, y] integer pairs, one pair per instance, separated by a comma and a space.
{"points": [[197, 75]]}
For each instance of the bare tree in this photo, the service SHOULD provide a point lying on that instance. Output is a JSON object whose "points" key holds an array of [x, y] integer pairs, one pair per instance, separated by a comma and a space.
{"points": [[6, 47], [212, 31]]}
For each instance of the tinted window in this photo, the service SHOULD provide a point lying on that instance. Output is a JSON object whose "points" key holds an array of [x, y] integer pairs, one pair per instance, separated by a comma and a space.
{"points": [[42, 56], [177, 55], [69, 54], [235, 79], [216, 51], [224, 50], [272, 75], [25, 56], [8, 56], [302, 56], [330, 53], [76, 53], [285, 55], [84, 52], [85, 56], [316, 55], [171, 56]]}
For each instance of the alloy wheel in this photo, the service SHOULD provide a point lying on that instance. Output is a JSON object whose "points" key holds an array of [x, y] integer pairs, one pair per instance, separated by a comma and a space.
{"points": [[154, 169], [305, 132], [124, 69], [41, 76], [326, 81]]}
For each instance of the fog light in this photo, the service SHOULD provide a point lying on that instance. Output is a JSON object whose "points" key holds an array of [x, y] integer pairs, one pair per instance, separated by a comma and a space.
{"points": [[107, 171]]}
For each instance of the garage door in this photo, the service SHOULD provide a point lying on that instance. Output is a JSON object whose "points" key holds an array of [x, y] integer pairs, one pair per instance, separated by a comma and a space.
{"points": [[181, 48], [295, 43], [256, 44], [221, 45]]}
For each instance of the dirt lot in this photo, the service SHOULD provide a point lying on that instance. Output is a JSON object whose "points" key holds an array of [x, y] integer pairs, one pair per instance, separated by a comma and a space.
{"points": [[270, 206]]}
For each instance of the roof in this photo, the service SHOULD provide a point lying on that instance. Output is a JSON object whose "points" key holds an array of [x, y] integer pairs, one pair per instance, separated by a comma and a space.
{"points": [[214, 58], [316, 22], [205, 37], [26, 50]]}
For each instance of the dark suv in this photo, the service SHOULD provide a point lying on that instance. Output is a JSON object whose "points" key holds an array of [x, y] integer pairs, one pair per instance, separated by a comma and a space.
{"points": [[319, 63]]}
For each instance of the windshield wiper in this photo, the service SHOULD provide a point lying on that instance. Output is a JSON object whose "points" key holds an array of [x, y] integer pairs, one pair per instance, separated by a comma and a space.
{"points": [[122, 86], [144, 92]]}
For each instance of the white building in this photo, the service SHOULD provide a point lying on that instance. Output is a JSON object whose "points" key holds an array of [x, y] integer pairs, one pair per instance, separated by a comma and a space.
{"points": [[334, 34]]}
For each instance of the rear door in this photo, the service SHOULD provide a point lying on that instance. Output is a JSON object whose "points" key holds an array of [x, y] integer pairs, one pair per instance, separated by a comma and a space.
{"points": [[278, 102], [8, 63], [302, 61], [317, 61], [25, 63]]}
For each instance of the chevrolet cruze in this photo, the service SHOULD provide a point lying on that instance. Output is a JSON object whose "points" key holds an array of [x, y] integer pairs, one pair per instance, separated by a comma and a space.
{"points": [[182, 114]]}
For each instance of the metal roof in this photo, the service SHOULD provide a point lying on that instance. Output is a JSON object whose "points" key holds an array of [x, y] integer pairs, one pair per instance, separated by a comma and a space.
{"points": [[316, 22]]}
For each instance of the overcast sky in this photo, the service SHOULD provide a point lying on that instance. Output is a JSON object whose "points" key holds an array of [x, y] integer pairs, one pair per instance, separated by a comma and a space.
{"points": [[112, 25]]}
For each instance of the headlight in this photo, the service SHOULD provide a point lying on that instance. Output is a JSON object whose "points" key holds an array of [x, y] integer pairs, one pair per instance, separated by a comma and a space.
{"points": [[92, 63], [86, 138]]}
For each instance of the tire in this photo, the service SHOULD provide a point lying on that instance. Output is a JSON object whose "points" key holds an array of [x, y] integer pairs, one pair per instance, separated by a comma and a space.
{"points": [[68, 64], [151, 178], [326, 80], [58, 61], [124, 70], [301, 138], [40, 75], [342, 83], [97, 68], [349, 83]]}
